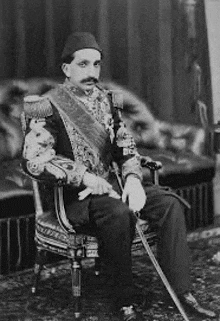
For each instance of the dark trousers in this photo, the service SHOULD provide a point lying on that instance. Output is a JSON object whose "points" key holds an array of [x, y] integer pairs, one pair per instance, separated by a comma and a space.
{"points": [[165, 210], [115, 225]]}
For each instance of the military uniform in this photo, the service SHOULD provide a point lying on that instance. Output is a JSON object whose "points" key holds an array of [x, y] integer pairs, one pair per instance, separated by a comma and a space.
{"points": [[67, 134]]}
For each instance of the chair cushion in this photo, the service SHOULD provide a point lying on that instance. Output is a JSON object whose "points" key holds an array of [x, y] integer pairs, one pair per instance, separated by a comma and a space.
{"points": [[50, 235]]}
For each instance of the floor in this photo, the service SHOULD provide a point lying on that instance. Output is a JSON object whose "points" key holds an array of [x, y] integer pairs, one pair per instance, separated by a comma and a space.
{"points": [[53, 303]]}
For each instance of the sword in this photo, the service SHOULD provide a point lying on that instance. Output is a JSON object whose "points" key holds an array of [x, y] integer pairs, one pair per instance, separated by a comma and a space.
{"points": [[151, 255]]}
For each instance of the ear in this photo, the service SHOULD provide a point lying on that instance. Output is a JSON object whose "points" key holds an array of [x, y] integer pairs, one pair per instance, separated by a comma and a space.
{"points": [[66, 69]]}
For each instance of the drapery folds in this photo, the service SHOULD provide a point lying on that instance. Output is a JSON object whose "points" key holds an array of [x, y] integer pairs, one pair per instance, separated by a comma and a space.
{"points": [[145, 45]]}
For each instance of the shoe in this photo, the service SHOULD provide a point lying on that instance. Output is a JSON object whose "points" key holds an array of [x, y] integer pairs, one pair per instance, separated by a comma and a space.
{"points": [[128, 313], [190, 303]]}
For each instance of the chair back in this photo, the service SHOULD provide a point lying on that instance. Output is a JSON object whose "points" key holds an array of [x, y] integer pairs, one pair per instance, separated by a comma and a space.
{"points": [[37, 199]]}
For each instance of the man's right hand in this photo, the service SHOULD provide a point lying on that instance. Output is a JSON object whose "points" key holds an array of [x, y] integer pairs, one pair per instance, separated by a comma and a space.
{"points": [[97, 186]]}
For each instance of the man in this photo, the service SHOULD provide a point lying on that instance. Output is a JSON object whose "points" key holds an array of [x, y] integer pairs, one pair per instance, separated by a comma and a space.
{"points": [[72, 135]]}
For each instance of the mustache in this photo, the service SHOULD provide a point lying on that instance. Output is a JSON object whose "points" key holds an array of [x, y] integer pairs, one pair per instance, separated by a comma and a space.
{"points": [[89, 79]]}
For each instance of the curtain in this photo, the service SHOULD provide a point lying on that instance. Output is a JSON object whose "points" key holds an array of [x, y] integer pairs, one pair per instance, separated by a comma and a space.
{"points": [[191, 71], [33, 33], [144, 44]]}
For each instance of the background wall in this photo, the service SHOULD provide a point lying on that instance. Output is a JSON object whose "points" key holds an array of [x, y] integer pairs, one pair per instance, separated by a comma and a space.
{"points": [[151, 46]]}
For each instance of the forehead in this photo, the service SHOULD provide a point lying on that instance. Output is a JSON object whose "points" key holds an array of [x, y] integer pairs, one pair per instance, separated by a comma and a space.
{"points": [[87, 54]]}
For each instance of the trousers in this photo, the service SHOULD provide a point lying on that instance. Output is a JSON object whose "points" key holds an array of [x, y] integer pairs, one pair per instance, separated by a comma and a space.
{"points": [[114, 226], [165, 211]]}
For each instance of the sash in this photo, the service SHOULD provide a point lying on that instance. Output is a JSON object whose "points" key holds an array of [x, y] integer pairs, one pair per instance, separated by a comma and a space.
{"points": [[76, 112]]}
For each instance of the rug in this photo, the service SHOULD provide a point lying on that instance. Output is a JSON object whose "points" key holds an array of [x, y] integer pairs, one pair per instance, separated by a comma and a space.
{"points": [[53, 302]]}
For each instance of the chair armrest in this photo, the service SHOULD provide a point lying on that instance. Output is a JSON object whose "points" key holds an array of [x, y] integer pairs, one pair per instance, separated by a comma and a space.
{"points": [[59, 206], [60, 210], [37, 199], [153, 166]]}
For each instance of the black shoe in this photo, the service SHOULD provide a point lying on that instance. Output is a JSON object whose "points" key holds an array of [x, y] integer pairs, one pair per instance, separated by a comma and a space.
{"points": [[191, 305], [128, 313]]}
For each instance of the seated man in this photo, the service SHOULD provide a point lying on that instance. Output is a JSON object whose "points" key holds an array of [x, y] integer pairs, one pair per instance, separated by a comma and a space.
{"points": [[72, 135]]}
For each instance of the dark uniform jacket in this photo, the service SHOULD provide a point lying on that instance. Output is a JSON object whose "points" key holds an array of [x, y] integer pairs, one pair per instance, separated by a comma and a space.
{"points": [[67, 134]]}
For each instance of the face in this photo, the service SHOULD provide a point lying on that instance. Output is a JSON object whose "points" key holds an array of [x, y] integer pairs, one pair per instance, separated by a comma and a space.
{"points": [[84, 70]]}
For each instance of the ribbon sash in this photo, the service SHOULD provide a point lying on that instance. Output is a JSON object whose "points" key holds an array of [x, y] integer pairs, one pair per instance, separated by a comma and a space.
{"points": [[92, 131]]}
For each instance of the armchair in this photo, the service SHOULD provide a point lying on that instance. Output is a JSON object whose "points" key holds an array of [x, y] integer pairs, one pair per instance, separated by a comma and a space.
{"points": [[181, 148], [54, 233]]}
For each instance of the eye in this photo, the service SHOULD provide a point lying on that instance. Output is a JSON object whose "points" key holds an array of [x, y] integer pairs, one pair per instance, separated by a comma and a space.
{"points": [[82, 64], [97, 64]]}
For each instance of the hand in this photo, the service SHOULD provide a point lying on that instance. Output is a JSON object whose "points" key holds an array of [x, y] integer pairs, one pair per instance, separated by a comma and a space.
{"points": [[134, 193], [97, 185], [83, 194]]}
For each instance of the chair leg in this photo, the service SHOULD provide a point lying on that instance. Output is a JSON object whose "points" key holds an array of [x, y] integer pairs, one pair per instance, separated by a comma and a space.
{"points": [[38, 267], [76, 271]]}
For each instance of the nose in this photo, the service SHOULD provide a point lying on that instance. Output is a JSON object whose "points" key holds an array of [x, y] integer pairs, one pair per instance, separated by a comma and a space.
{"points": [[93, 71]]}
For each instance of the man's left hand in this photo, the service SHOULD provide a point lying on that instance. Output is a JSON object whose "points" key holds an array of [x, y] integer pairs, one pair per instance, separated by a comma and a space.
{"points": [[134, 193]]}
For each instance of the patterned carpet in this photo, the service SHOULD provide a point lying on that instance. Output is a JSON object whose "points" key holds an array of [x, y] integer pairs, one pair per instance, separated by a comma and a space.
{"points": [[54, 300]]}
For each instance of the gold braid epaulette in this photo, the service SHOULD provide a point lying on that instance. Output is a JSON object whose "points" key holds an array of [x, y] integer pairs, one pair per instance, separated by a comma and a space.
{"points": [[37, 107]]}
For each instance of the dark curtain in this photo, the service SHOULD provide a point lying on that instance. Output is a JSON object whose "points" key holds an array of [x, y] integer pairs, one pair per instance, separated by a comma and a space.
{"points": [[144, 43], [191, 70]]}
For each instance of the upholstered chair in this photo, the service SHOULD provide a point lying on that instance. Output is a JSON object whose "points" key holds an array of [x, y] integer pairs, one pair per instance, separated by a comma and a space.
{"points": [[54, 233]]}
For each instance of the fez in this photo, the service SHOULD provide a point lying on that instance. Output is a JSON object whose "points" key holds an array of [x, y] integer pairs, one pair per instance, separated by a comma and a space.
{"points": [[77, 41]]}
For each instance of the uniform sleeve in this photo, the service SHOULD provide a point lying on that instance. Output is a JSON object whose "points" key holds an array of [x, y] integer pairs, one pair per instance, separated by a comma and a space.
{"points": [[129, 159], [124, 149], [39, 157]]}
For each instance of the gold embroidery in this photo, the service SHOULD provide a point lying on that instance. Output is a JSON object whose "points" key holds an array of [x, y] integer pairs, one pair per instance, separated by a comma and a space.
{"points": [[37, 107], [82, 152], [35, 168], [38, 140], [23, 122]]}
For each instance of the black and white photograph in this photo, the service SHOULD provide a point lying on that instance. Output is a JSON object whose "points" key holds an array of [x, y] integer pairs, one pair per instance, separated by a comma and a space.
{"points": [[109, 160]]}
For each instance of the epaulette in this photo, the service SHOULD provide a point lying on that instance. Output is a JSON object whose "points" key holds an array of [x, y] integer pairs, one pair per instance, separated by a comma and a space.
{"points": [[37, 107]]}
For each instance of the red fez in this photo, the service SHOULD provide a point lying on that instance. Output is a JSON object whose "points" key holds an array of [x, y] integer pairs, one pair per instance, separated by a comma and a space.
{"points": [[77, 41]]}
